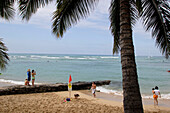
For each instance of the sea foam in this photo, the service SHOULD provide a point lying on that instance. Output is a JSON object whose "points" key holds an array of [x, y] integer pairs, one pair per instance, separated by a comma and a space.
{"points": [[14, 82], [120, 93]]}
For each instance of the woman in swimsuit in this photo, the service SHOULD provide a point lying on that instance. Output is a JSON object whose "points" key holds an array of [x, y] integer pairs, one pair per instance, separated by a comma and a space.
{"points": [[33, 77]]}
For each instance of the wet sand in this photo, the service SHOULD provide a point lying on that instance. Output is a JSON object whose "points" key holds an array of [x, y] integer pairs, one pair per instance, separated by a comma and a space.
{"points": [[112, 97]]}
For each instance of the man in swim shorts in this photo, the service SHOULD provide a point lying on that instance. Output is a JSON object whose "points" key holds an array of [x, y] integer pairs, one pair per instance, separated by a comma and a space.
{"points": [[93, 87]]}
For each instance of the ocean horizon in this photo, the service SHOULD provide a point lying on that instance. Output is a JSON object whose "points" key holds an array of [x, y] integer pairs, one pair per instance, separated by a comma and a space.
{"points": [[56, 68]]}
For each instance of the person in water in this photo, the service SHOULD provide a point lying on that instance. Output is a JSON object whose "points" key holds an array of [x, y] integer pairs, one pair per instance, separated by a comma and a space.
{"points": [[33, 77], [29, 76], [156, 92], [93, 88]]}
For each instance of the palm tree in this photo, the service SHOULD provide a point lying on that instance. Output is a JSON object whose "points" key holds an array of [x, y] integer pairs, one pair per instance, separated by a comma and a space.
{"points": [[6, 12], [123, 15]]}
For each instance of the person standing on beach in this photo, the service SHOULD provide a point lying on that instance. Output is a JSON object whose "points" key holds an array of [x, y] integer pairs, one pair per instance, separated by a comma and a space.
{"points": [[156, 92], [33, 77], [29, 76], [93, 88]]}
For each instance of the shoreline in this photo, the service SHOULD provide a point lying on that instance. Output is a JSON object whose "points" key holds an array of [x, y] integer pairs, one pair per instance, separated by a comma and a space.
{"points": [[111, 97], [144, 97], [54, 102]]}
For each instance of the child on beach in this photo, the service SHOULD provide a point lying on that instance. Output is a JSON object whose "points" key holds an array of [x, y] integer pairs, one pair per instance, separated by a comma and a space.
{"points": [[153, 90], [156, 92], [26, 82]]}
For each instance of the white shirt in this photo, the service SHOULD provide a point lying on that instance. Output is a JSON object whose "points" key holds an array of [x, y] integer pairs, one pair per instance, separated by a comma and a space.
{"points": [[156, 92]]}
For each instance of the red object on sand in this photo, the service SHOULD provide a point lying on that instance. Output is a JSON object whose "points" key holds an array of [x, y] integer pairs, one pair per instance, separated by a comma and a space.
{"points": [[70, 79]]}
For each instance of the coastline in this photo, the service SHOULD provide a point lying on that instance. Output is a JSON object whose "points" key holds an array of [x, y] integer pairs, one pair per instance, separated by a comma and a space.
{"points": [[101, 95], [117, 98], [54, 102]]}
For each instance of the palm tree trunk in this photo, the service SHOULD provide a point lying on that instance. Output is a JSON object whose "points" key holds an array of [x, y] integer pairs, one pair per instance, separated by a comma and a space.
{"points": [[132, 97]]}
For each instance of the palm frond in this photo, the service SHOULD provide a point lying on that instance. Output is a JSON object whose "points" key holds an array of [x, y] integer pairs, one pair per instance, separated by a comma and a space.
{"points": [[139, 6], [3, 55], [29, 7], [156, 17], [69, 12], [134, 11], [114, 10], [115, 19], [6, 9]]}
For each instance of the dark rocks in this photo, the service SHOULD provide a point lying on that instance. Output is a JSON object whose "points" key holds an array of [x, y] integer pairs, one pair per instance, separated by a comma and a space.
{"points": [[22, 89]]}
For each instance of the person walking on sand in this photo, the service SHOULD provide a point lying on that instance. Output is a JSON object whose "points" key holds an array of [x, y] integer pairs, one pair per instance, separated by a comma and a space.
{"points": [[33, 77], [29, 76], [156, 92], [93, 88]]}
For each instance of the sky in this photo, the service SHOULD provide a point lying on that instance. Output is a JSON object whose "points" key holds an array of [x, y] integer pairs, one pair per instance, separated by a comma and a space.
{"points": [[89, 36]]}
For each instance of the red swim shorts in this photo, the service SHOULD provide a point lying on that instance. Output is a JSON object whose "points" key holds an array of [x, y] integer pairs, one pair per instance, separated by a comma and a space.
{"points": [[155, 96]]}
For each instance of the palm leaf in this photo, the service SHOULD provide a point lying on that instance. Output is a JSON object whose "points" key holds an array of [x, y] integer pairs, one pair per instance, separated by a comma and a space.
{"points": [[29, 7], [114, 10], [69, 12], [3, 55], [115, 19], [156, 17], [6, 9], [139, 6], [134, 11]]}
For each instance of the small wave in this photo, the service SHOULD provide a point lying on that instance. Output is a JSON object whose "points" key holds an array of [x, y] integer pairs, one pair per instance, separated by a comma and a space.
{"points": [[14, 82], [16, 57], [108, 57], [92, 58], [43, 57], [104, 90], [163, 96], [67, 57], [86, 58], [82, 58], [22, 57], [119, 93]]}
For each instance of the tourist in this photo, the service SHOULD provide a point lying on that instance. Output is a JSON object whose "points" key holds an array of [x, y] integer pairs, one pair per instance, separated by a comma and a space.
{"points": [[156, 92], [93, 88], [26, 82], [29, 76], [33, 77]]}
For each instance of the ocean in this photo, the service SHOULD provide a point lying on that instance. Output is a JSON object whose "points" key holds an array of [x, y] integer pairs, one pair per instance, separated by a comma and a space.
{"points": [[54, 68]]}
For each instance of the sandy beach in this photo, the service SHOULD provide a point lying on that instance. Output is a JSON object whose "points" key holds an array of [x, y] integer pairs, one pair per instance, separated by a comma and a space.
{"points": [[54, 103]]}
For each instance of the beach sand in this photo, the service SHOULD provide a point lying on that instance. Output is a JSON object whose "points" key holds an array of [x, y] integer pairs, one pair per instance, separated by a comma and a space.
{"points": [[53, 102]]}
